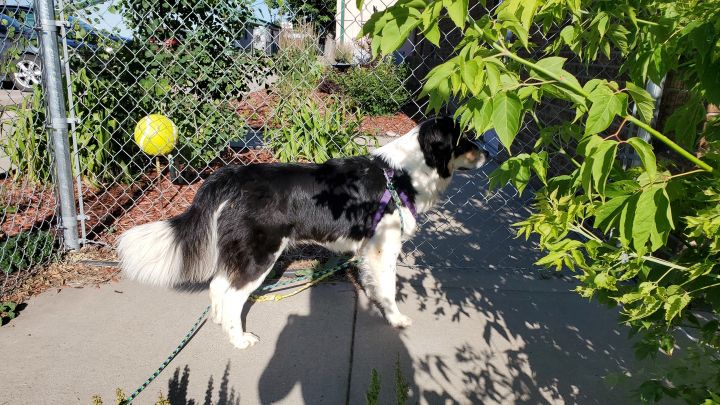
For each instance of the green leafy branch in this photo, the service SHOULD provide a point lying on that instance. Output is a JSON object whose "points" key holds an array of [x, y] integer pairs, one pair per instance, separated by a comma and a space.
{"points": [[647, 237]]}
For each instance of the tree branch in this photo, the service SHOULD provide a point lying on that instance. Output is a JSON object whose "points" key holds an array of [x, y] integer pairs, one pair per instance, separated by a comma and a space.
{"points": [[662, 138]]}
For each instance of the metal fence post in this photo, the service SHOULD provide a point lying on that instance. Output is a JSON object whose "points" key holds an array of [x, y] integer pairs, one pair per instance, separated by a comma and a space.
{"points": [[57, 119], [656, 92]]}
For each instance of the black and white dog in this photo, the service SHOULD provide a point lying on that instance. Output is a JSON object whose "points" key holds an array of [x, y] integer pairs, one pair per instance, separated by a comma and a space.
{"points": [[243, 217]]}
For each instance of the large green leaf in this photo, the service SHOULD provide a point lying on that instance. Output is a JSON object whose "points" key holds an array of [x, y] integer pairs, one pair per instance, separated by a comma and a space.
{"points": [[432, 33], [540, 165], [643, 100], [605, 281], [529, 8], [606, 105], [603, 158], [506, 117], [482, 118], [592, 84], [675, 304], [437, 75], [644, 219], [588, 144], [647, 157], [684, 122], [493, 77], [517, 170], [608, 214], [627, 219], [431, 20], [473, 75], [649, 307], [457, 10], [663, 220], [390, 39], [397, 29]]}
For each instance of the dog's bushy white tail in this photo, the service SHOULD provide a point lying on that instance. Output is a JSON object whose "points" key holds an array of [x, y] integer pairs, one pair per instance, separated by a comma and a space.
{"points": [[169, 253], [150, 254]]}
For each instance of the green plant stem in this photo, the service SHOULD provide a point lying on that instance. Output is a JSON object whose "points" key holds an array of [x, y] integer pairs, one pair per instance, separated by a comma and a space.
{"points": [[664, 274], [677, 148], [705, 288], [506, 52], [664, 139], [572, 160], [582, 231], [661, 262], [646, 22], [685, 174]]}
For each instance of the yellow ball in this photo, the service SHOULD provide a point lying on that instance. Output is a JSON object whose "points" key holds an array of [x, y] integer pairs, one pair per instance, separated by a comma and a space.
{"points": [[155, 134]]}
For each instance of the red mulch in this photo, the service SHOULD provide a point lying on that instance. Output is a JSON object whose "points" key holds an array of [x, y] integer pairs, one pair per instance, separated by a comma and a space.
{"points": [[163, 199], [398, 124], [28, 206], [257, 109], [33, 206], [24, 206]]}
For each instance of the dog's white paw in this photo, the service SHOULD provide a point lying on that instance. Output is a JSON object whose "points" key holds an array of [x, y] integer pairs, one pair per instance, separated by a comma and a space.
{"points": [[244, 340], [400, 320]]}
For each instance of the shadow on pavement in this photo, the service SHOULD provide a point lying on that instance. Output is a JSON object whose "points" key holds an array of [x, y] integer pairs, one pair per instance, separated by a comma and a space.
{"points": [[177, 392], [307, 360], [520, 338]]}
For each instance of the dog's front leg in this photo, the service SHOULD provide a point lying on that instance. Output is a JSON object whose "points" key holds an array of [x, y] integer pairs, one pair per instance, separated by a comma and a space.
{"points": [[379, 273]]}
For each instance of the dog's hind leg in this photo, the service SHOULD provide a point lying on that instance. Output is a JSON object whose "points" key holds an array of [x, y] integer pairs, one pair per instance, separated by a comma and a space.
{"points": [[378, 273], [241, 285], [218, 287]]}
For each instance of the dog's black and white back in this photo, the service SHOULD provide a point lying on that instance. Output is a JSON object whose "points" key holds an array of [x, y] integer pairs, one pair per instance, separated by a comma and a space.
{"points": [[243, 217]]}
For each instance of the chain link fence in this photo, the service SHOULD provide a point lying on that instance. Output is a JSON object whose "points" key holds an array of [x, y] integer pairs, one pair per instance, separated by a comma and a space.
{"points": [[242, 83]]}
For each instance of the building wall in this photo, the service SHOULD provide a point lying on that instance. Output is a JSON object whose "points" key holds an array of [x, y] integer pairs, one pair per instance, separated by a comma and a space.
{"points": [[349, 23]]}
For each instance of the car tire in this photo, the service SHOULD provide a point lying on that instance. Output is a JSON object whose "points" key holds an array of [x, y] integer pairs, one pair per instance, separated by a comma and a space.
{"points": [[28, 72]]}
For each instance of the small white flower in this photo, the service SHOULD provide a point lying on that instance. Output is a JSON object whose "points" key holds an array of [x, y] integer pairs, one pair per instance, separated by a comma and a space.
{"points": [[624, 258]]}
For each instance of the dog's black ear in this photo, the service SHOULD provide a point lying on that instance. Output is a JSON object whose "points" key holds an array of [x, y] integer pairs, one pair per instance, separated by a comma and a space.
{"points": [[436, 141]]}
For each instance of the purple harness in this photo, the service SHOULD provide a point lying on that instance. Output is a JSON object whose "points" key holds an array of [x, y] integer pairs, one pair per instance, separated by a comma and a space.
{"points": [[385, 200]]}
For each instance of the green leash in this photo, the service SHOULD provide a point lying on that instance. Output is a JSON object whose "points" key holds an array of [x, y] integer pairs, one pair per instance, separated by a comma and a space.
{"points": [[199, 322], [170, 358]]}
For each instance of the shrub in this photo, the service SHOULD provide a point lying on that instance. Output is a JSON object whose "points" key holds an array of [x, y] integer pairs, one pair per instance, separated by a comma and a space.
{"points": [[104, 149], [25, 250], [645, 238], [376, 90], [343, 53], [26, 143], [104, 130], [121, 399], [297, 63], [402, 389], [307, 132], [204, 128], [8, 311]]}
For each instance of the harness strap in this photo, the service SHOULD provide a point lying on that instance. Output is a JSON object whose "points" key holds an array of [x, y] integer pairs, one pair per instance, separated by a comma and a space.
{"points": [[381, 209], [400, 199]]}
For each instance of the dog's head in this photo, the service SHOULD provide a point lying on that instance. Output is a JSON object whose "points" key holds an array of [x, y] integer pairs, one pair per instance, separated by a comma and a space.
{"points": [[446, 149]]}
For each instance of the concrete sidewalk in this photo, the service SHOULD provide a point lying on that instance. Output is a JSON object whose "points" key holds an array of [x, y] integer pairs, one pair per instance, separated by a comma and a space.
{"points": [[477, 338], [487, 329]]}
